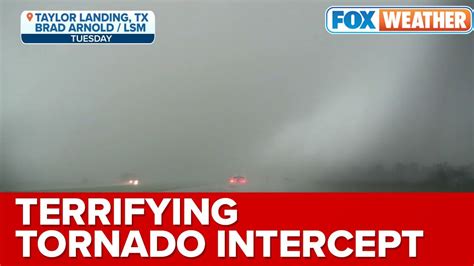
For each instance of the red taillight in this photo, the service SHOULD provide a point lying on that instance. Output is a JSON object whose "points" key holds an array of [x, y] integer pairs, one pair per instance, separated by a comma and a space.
{"points": [[243, 181], [232, 181]]}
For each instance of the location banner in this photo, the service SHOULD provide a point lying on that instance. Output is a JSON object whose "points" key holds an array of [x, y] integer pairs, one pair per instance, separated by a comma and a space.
{"points": [[87, 27], [435, 229]]}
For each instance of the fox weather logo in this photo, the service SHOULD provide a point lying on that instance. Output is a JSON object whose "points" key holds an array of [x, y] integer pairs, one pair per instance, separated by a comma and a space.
{"points": [[401, 20]]}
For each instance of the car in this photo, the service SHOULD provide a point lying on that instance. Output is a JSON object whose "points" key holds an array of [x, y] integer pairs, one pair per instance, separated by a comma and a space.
{"points": [[129, 179], [133, 182], [237, 180]]}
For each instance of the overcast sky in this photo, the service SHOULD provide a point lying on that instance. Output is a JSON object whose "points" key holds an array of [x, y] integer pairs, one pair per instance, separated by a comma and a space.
{"points": [[230, 87]]}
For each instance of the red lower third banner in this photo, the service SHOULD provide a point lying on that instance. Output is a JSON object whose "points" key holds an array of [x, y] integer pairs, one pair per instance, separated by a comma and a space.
{"points": [[236, 229]]}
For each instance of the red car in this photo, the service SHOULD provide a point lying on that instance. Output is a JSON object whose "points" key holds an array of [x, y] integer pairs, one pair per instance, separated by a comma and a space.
{"points": [[237, 180]]}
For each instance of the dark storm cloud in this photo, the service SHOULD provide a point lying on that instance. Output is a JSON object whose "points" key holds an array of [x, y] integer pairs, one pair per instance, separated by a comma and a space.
{"points": [[229, 88]]}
